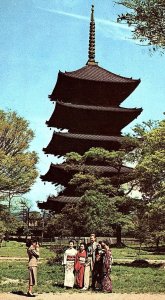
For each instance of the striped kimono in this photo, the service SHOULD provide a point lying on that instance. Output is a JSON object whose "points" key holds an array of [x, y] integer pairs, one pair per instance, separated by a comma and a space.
{"points": [[69, 261]]}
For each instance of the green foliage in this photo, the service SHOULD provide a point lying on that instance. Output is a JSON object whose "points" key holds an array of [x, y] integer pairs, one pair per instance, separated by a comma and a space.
{"points": [[84, 182], [18, 165], [15, 135], [73, 157], [2, 231], [18, 172], [151, 162], [103, 197], [135, 216], [146, 17], [9, 221], [156, 213], [150, 159], [100, 156], [56, 225], [95, 212]]}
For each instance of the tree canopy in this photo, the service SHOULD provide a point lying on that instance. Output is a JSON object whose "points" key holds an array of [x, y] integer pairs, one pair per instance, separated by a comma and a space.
{"points": [[103, 204], [151, 160], [150, 170], [18, 170], [147, 20]]}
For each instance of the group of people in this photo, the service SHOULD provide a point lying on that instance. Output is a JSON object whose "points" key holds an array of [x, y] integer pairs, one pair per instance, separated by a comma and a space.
{"points": [[92, 260]]}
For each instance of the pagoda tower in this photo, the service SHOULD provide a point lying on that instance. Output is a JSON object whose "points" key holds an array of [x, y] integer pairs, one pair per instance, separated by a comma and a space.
{"points": [[88, 106]]}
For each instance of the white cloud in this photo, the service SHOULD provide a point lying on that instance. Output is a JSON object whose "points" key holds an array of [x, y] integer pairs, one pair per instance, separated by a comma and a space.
{"points": [[109, 28]]}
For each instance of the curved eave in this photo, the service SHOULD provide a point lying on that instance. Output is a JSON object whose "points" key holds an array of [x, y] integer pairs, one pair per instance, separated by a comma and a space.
{"points": [[96, 108], [62, 143], [59, 174], [57, 203], [92, 92], [92, 119], [97, 73]]}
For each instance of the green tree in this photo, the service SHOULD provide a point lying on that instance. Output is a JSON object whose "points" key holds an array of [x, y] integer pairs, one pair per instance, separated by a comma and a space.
{"points": [[18, 165], [151, 162], [156, 223], [104, 204], [2, 231], [9, 223], [136, 216], [150, 171], [147, 21]]}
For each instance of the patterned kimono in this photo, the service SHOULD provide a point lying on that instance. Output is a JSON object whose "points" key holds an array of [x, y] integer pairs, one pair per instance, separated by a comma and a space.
{"points": [[106, 281], [69, 261], [80, 267]]}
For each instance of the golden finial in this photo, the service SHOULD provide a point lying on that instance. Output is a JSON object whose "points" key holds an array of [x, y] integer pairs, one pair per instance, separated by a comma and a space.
{"points": [[91, 50]]}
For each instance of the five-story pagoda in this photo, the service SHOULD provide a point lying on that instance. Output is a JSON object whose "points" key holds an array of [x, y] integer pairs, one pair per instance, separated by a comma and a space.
{"points": [[88, 105]]}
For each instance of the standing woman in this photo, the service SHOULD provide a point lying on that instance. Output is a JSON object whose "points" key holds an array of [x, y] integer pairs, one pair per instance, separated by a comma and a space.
{"points": [[107, 262], [80, 265], [69, 262], [33, 254]]}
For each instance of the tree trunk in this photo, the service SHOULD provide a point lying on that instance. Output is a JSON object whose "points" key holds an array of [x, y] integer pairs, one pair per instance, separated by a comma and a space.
{"points": [[157, 244], [118, 236]]}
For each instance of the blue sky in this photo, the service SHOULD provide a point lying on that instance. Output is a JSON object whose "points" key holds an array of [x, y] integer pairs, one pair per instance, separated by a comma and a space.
{"points": [[40, 37]]}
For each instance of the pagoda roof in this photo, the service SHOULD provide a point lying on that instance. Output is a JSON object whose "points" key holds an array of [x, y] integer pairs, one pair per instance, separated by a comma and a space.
{"points": [[92, 119], [99, 108], [62, 143], [64, 199], [57, 203], [93, 85], [97, 73], [62, 173]]}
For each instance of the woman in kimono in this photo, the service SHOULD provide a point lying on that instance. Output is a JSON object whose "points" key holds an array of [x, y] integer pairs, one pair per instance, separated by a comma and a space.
{"points": [[33, 254], [80, 266], [107, 263], [69, 262]]}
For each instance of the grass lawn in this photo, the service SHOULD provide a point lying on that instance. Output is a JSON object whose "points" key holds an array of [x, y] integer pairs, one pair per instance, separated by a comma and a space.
{"points": [[132, 252], [15, 249], [125, 278]]}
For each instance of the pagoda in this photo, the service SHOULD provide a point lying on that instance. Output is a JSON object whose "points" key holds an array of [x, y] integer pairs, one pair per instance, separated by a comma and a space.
{"points": [[88, 106]]}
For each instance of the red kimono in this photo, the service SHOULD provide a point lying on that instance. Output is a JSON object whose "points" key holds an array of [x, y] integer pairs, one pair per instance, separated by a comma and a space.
{"points": [[80, 267]]}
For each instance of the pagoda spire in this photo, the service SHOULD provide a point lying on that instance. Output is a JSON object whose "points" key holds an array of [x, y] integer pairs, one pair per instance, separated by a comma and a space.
{"points": [[91, 49]]}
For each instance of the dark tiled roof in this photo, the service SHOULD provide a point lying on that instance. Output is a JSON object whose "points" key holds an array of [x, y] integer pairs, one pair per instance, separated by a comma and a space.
{"points": [[90, 119], [98, 168], [97, 73], [57, 203], [93, 85], [89, 137], [63, 199], [62, 143], [100, 108]]}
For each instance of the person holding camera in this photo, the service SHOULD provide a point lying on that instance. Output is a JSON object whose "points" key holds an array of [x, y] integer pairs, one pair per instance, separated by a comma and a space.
{"points": [[33, 254]]}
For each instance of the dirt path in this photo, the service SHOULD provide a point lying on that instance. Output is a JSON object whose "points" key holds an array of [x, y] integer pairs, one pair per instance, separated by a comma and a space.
{"points": [[86, 296]]}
